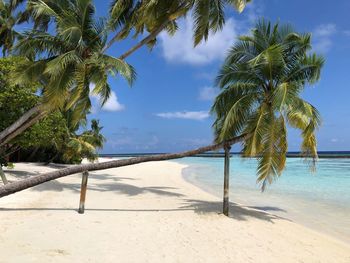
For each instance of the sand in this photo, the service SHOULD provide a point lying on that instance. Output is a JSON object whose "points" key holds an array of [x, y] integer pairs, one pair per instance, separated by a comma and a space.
{"points": [[147, 213]]}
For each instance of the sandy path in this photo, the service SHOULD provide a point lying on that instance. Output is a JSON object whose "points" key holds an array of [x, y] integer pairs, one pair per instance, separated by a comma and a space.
{"points": [[147, 213]]}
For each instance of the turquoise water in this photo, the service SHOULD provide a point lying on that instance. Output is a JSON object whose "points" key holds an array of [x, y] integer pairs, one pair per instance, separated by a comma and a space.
{"points": [[319, 200]]}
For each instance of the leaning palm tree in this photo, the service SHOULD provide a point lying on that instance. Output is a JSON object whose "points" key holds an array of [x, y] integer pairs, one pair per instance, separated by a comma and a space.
{"points": [[67, 62], [261, 81], [78, 41]]}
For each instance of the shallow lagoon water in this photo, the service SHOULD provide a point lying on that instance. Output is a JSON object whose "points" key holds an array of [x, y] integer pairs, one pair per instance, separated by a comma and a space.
{"points": [[319, 200]]}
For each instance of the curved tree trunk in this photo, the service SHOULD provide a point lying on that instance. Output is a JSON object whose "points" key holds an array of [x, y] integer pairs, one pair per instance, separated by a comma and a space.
{"points": [[39, 179], [144, 41], [148, 38], [16, 128], [24, 122]]}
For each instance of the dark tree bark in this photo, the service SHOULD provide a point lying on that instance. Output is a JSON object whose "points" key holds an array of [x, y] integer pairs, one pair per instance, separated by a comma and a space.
{"points": [[39, 179]]}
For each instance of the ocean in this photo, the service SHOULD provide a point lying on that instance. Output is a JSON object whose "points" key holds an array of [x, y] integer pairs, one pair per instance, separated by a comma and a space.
{"points": [[319, 200]]}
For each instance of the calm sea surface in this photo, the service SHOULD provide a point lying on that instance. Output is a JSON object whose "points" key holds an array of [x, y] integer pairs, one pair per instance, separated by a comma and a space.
{"points": [[319, 200]]}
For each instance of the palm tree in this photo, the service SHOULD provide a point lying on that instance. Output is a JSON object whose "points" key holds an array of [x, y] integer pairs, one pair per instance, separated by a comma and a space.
{"points": [[67, 63], [261, 81], [8, 20], [42, 178], [138, 16], [63, 49], [84, 145]]}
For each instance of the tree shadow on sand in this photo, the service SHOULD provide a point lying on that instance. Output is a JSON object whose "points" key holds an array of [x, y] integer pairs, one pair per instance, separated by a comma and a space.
{"points": [[237, 212], [119, 186], [198, 206], [116, 186]]}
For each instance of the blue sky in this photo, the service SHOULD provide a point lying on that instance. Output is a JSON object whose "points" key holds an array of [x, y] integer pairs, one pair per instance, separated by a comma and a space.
{"points": [[166, 110]]}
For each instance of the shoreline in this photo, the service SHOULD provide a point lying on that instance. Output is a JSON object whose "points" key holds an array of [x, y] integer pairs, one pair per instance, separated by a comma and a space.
{"points": [[148, 212], [210, 190]]}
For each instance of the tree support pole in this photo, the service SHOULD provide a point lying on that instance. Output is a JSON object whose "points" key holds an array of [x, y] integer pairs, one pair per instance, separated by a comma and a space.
{"points": [[3, 176], [83, 192], [227, 149], [26, 183]]}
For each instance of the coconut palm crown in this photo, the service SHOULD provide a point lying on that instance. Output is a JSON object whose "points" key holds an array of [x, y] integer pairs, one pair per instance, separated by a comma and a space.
{"points": [[261, 81], [138, 16], [9, 18], [69, 61]]}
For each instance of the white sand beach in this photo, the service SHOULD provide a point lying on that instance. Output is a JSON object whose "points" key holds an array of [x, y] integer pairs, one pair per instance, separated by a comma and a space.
{"points": [[147, 213]]}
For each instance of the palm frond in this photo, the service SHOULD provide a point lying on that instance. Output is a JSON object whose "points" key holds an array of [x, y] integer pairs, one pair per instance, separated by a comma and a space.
{"points": [[261, 81]]}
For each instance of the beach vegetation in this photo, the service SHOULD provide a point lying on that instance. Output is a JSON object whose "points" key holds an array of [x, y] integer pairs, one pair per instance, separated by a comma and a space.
{"points": [[71, 58], [261, 83], [54, 138]]}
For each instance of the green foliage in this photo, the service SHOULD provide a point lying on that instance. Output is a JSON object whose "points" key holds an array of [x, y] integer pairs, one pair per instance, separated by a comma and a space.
{"points": [[83, 145], [54, 138], [14, 100], [261, 81], [139, 16], [67, 62], [70, 59], [49, 131]]}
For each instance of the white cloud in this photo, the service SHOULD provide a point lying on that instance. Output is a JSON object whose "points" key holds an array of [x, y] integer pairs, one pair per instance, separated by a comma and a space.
{"points": [[322, 37], [254, 11], [325, 30], [112, 104], [334, 140], [207, 93], [188, 115], [179, 48]]}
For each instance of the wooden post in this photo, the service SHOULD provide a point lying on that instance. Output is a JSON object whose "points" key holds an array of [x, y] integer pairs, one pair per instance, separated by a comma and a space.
{"points": [[3, 176], [227, 149], [83, 192]]}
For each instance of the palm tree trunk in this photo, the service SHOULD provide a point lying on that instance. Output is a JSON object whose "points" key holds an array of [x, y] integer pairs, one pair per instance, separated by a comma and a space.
{"points": [[19, 126], [112, 41], [3, 176], [36, 109], [39, 179], [24, 122], [152, 35], [226, 203], [144, 41]]}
